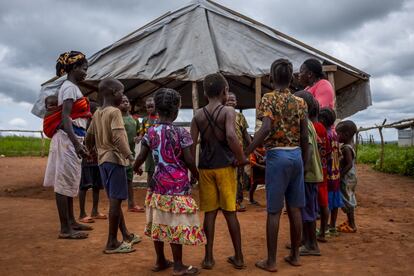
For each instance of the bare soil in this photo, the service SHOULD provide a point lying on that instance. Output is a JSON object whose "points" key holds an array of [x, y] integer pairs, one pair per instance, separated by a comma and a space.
{"points": [[384, 244]]}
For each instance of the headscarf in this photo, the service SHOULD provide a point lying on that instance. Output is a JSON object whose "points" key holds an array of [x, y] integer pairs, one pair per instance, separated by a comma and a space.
{"points": [[66, 59]]}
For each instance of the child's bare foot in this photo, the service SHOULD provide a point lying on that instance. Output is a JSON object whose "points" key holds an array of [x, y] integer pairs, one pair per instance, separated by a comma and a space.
{"points": [[304, 251], [81, 227], [163, 265], [186, 270], [263, 264], [208, 264], [292, 261], [322, 239], [237, 263]]}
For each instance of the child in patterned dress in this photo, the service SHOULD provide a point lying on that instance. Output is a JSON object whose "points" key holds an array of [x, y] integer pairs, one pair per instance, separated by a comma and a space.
{"points": [[327, 117], [171, 210]]}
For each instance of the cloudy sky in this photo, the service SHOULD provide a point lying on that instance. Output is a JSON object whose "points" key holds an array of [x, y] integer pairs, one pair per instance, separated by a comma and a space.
{"points": [[376, 36]]}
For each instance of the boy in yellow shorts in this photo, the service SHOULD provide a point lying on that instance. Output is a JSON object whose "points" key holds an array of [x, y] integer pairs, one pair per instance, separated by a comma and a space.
{"points": [[219, 147]]}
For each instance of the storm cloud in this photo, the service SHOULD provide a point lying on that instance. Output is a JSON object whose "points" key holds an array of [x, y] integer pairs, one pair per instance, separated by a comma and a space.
{"points": [[375, 36]]}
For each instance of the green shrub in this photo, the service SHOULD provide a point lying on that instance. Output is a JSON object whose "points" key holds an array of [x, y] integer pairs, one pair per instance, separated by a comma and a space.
{"points": [[397, 160]]}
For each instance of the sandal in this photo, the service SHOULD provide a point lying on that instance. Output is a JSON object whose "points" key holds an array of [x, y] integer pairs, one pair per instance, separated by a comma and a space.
{"points": [[86, 219], [73, 236], [158, 268], [254, 202], [135, 239], [303, 251], [123, 248], [81, 227], [189, 271], [207, 266], [346, 229], [100, 216], [136, 209]]}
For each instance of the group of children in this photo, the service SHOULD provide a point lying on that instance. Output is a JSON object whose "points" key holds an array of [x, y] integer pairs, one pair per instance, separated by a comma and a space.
{"points": [[297, 148]]}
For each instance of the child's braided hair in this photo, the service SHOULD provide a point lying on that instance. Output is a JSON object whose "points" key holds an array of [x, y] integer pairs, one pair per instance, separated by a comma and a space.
{"points": [[167, 102], [347, 126], [281, 71]]}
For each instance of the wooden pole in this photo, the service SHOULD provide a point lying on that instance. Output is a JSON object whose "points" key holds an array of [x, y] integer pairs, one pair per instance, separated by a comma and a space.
{"points": [[330, 72], [42, 152], [258, 98], [382, 144], [356, 146], [194, 92]]}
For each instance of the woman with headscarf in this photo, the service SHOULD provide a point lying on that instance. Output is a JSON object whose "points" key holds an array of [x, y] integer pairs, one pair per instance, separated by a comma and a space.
{"points": [[311, 77], [68, 129]]}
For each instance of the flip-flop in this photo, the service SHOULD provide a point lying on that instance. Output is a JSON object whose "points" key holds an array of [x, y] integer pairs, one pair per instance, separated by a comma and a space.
{"points": [[122, 249], [100, 216], [346, 229], [167, 265], [82, 227], [135, 239], [86, 219], [207, 267], [262, 265], [321, 239], [231, 260], [303, 251], [189, 271], [136, 209], [255, 203], [343, 224], [73, 236], [289, 260], [241, 208]]}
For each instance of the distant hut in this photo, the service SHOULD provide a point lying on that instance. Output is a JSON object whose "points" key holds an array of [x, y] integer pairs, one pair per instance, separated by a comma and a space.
{"points": [[406, 135]]}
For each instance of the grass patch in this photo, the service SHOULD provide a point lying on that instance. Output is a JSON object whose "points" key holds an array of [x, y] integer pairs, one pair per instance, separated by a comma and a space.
{"points": [[22, 146], [397, 160]]}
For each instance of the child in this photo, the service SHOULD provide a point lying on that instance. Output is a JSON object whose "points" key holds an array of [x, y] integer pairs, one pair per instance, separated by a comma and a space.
{"points": [[346, 131], [284, 132], [90, 178], [147, 122], [107, 134], [324, 149], [244, 139], [327, 117], [51, 104], [313, 176], [219, 145], [131, 126], [257, 171], [171, 210]]}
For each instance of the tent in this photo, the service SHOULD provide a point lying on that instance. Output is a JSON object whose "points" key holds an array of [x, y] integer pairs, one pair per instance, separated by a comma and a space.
{"points": [[180, 48]]}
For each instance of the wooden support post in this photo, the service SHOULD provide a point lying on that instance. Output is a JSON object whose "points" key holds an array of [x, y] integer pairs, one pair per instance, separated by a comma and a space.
{"points": [[42, 152], [330, 71], [258, 98], [356, 146], [382, 144], [194, 92]]}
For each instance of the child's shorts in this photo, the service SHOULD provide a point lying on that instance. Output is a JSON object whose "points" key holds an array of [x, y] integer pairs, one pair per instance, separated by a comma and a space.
{"points": [[218, 189], [311, 207], [90, 178], [323, 194], [114, 179], [284, 179]]}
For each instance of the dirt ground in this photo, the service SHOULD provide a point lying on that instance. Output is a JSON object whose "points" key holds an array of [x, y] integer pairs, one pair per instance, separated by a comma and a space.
{"points": [[383, 245]]}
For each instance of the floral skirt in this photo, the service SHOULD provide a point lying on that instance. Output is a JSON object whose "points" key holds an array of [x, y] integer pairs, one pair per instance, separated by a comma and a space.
{"points": [[173, 219]]}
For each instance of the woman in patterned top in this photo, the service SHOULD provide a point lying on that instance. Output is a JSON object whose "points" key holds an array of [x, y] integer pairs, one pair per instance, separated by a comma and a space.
{"points": [[171, 210]]}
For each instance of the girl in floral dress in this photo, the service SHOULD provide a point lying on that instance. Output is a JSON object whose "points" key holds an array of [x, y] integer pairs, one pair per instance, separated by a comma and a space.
{"points": [[170, 209]]}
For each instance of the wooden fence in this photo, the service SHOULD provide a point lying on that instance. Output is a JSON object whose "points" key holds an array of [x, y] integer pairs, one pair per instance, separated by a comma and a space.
{"points": [[398, 124]]}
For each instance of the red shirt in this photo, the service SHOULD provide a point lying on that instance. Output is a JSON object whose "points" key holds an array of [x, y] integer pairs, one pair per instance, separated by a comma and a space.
{"points": [[324, 146]]}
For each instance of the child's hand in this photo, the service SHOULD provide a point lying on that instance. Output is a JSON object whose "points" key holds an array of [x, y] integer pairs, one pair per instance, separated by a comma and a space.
{"points": [[139, 171]]}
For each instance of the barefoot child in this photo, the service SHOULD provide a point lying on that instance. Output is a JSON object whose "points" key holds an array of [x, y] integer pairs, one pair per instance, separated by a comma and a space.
{"points": [[327, 117], [313, 176], [107, 134], [90, 179], [346, 131], [284, 132], [131, 126], [241, 127], [219, 147], [171, 210]]}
